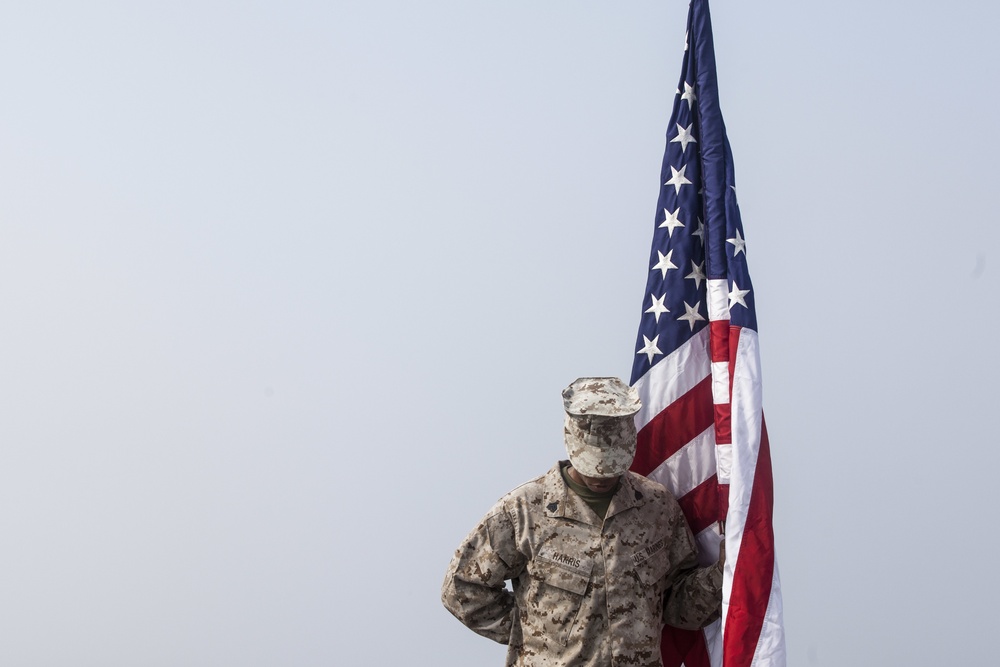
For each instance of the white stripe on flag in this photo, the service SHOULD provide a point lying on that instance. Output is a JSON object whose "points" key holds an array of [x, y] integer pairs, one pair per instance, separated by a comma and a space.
{"points": [[675, 375], [746, 425], [718, 299], [708, 544], [713, 640], [689, 466], [771, 650], [720, 382], [724, 462]]}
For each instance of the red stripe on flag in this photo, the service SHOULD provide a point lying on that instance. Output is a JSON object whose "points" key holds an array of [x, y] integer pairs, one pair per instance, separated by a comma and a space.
{"points": [[755, 567], [676, 425], [683, 647], [719, 337], [724, 423], [701, 504]]}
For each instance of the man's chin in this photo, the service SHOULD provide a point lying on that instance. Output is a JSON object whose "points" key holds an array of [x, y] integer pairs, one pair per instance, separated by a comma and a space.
{"points": [[602, 488]]}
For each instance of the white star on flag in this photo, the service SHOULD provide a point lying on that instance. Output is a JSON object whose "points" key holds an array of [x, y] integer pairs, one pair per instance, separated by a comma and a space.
{"points": [[688, 95], [671, 222], [657, 308], [692, 315], [650, 350], [664, 264], [677, 179], [697, 273], [699, 231], [684, 136], [738, 243], [736, 296]]}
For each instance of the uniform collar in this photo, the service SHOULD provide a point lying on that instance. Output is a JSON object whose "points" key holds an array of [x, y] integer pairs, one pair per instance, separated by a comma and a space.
{"points": [[560, 501], [628, 495]]}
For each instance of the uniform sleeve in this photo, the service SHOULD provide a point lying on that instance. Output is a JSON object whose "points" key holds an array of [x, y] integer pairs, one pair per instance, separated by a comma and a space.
{"points": [[474, 587], [694, 596], [694, 599]]}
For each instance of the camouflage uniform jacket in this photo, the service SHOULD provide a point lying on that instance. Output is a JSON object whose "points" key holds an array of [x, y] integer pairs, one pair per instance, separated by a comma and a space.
{"points": [[586, 592]]}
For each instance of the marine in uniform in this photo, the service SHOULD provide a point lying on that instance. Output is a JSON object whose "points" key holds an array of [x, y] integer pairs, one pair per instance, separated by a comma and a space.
{"points": [[598, 557]]}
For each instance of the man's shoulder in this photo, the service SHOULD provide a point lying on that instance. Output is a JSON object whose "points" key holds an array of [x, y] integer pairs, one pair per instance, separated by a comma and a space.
{"points": [[649, 488], [534, 487], [531, 493]]}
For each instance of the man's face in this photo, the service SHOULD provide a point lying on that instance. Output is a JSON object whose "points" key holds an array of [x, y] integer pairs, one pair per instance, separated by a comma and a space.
{"points": [[595, 484]]}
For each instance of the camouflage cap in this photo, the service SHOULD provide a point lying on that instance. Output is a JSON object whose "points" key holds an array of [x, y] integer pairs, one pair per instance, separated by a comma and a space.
{"points": [[600, 428]]}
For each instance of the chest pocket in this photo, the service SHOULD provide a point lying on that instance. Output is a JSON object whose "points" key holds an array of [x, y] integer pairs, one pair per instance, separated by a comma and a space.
{"points": [[556, 595], [651, 563], [573, 576]]}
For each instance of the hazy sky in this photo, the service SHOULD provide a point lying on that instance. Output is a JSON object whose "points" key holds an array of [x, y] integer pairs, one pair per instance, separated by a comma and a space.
{"points": [[289, 292]]}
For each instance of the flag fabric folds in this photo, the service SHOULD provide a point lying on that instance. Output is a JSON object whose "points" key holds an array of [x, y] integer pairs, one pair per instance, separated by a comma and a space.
{"points": [[697, 370]]}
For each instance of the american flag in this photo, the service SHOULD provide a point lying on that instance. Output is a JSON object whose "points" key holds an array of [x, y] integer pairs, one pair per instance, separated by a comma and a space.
{"points": [[697, 370]]}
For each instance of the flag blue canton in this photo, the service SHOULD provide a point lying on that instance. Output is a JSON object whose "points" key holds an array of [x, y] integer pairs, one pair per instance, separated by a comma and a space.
{"points": [[698, 234]]}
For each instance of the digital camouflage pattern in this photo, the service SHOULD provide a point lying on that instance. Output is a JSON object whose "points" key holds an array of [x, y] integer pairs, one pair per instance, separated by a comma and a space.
{"points": [[600, 427], [586, 593]]}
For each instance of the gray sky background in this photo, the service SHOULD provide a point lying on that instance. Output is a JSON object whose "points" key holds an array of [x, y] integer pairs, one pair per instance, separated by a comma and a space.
{"points": [[289, 292]]}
